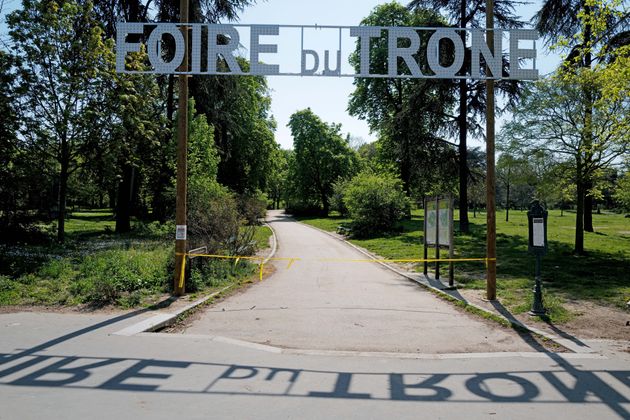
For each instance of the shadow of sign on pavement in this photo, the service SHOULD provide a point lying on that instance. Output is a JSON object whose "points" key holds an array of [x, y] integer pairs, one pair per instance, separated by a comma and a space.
{"points": [[564, 384]]}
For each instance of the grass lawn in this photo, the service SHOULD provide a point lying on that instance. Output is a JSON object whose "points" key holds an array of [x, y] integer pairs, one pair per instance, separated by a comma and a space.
{"points": [[97, 266], [262, 235], [603, 275]]}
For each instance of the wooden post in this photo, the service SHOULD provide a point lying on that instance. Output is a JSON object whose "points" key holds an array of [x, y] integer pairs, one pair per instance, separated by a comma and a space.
{"points": [[491, 232], [179, 285], [424, 233], [437, 237], [451, 245]]}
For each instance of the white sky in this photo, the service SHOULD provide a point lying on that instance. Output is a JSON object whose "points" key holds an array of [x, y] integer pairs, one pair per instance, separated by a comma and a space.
{"points": [[327, 97]]}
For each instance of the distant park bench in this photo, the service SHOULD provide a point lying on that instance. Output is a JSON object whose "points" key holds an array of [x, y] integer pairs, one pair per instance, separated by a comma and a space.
{"points": [[344, 230]]}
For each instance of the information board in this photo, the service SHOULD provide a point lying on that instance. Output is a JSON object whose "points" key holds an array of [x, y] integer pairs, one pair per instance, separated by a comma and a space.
{"points": [[538, 232], [430, 221]]}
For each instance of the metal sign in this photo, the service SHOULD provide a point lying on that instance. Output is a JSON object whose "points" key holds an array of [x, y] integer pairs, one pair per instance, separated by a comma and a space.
{"points": [[181, 232], [537, 218], [215, 49]]}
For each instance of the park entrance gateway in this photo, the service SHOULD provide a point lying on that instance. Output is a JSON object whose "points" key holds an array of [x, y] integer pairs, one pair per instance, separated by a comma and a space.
{"points": [[213, 49], [442, 48]]}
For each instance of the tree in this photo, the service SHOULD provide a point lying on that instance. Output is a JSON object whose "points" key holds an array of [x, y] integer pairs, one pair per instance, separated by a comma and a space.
{"points": [[375, 202], [463, 14], [8, 138], [137, 123], [321, 157], [476, 177], [590, 30], [622, 191], [552, 119], [240, 111], [278, 178], [64, 63], [407, 114]]}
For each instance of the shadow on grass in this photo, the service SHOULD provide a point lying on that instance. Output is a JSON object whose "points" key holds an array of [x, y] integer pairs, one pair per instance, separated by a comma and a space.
{"points": [[596, 275], [93, 217]]}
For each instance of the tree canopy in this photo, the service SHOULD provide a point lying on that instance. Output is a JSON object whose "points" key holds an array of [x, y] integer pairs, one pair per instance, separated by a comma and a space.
{"points": [[321, 157]]}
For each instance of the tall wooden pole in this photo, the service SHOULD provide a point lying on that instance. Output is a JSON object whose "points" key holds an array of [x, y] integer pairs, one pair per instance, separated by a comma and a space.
{"points": [[179, 285], [491, 235]]}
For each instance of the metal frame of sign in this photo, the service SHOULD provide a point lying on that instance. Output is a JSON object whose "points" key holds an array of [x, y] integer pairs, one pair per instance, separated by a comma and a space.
{"points": [[436, 242], [153, 33]]}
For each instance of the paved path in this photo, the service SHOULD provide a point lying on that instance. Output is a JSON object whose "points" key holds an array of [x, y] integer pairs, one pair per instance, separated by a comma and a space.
{"points": [[346, 306], [71, 366], [75, 366]]}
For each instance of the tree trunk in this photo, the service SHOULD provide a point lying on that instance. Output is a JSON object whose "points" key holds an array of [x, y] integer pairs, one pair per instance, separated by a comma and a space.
{"points": [[63, 191], [170, 98], [579, 213], [123, 205], [588, 131], [463, 132], [325, 204], [507, 203]]}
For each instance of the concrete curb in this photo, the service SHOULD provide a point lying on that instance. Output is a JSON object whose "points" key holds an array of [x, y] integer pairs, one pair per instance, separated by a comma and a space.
{"points": [[370, 354], [167, 319], [424, 282]]}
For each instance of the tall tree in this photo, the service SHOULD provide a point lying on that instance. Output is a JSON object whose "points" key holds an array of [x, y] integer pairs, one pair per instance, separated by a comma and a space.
{"points": [[407, 114], [8, 137], [321, 157], [552, 119], [137, 125], [465, 14], [580, 27], [239, 108], [62, 56]]}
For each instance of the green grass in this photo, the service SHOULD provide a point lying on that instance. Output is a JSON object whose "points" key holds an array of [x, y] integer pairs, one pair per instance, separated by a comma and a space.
{"points": [[98, 267], [90, 221], [600, 276], [262, 235]]}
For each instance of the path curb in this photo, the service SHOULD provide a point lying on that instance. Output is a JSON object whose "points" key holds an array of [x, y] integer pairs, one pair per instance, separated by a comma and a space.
{"points": [[167, 319], [420, 280]]}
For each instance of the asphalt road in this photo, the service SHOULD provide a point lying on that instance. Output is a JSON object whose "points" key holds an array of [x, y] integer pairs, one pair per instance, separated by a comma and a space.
{"points": [[325, 301], [74, 366], [79, 366]]}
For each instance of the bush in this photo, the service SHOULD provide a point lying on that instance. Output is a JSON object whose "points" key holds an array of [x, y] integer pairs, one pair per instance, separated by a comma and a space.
{"points": [[375, 203], [337, 201], [301, 208], [212, 216], [112, 276], [252, 207]]}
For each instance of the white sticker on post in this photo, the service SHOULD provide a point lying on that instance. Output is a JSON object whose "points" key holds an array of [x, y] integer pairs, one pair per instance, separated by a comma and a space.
{"points": [[539, 232], [180, 233]]}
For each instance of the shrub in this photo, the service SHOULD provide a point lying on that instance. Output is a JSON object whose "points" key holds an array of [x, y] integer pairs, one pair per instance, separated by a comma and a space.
{"points": [[252, 207], [337, 201], [109, 276], [212, 216], [375, 203]]}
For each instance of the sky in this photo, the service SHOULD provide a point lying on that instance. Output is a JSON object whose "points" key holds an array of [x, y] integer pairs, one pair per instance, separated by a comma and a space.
{"points": [[326, 96]]}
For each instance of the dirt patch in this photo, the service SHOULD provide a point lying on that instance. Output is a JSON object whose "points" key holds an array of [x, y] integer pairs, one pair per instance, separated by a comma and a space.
{"points": [[590, 321], [182, 324]]}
